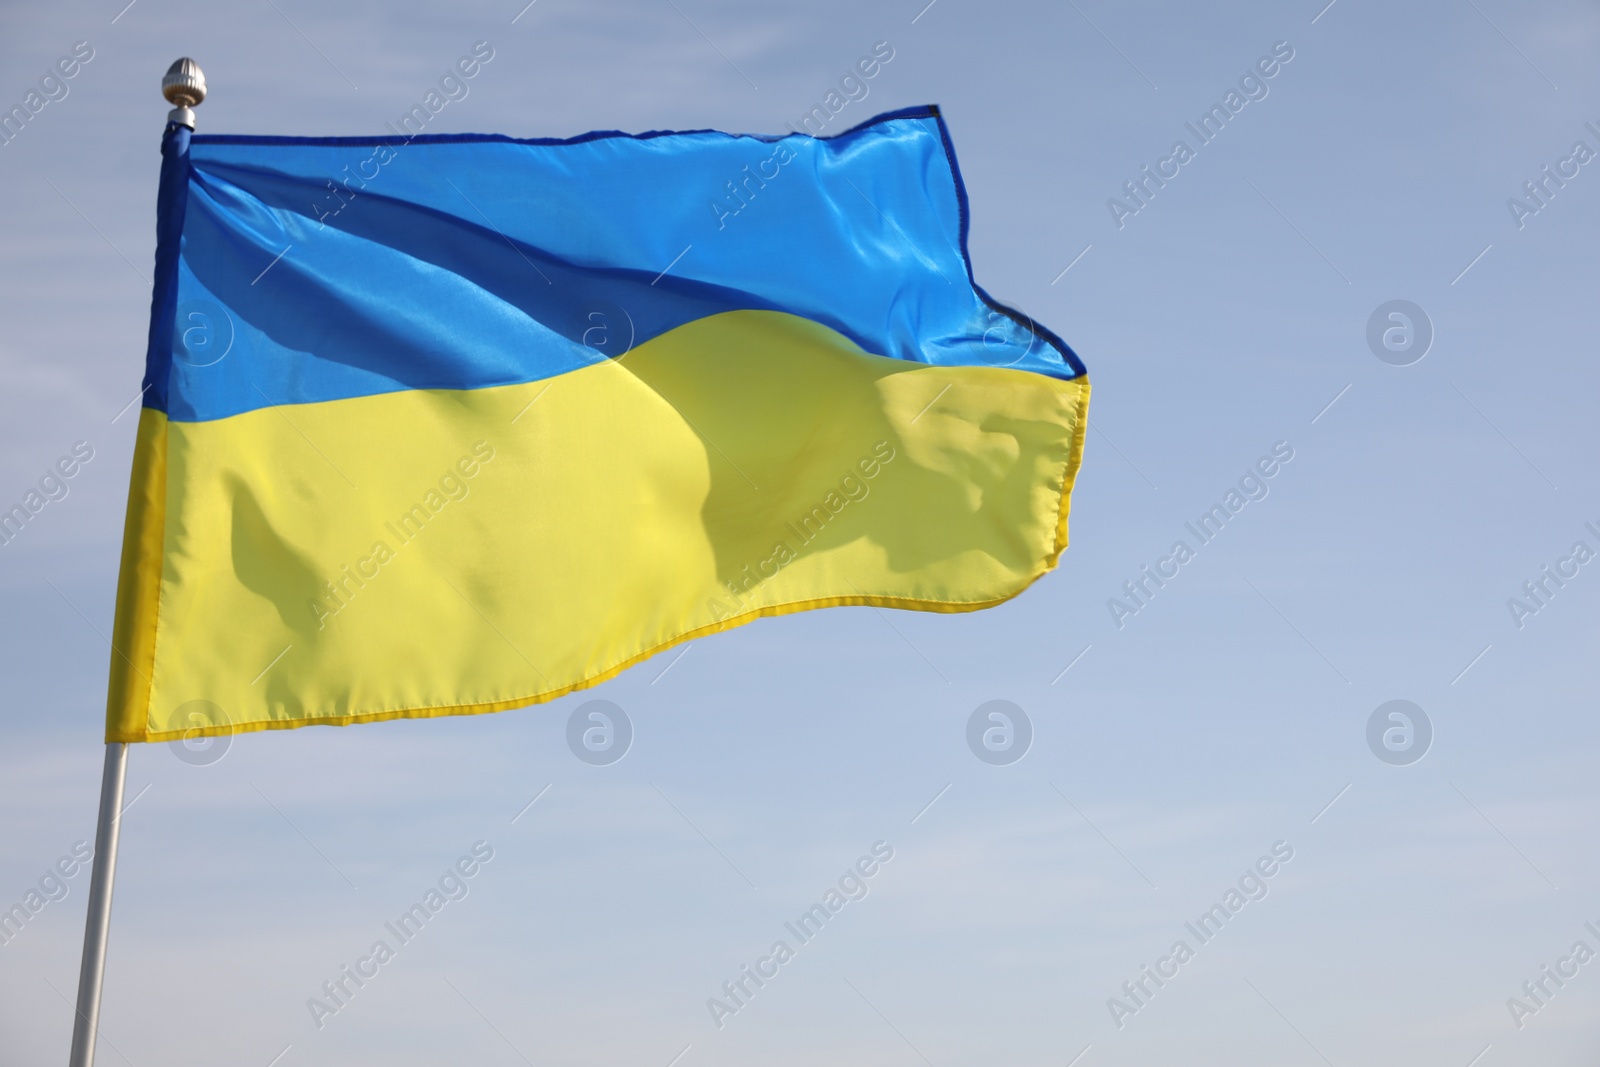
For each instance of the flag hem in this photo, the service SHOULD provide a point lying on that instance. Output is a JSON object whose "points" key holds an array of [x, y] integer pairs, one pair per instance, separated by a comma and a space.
{"points": [[139, 584], [920, 111]]}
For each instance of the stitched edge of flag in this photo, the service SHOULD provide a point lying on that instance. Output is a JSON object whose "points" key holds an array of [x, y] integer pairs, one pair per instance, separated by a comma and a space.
{"points": [[137, 613], [921, 111]]}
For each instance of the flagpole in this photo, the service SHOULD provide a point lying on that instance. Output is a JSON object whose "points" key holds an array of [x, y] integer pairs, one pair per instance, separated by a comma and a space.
{"points": [[98, 924], [184, 87]]}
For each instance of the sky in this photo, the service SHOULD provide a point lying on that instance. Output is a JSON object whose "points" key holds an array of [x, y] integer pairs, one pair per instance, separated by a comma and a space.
{"points": [[1177, 747]]}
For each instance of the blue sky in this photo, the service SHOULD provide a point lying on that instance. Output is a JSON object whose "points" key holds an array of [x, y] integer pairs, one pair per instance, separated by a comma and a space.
{"points": [[1221, 318]]}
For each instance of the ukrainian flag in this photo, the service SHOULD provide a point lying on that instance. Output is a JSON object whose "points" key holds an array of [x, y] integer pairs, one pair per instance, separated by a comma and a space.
{"points": [[453, 424]]}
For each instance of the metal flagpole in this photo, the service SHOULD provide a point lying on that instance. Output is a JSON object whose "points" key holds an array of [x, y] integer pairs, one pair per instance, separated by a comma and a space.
{"points": [[184, 87], [87, 1023]]}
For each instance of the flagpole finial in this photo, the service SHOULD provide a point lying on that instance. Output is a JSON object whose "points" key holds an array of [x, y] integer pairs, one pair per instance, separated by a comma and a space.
{"points": [[185, 87]]}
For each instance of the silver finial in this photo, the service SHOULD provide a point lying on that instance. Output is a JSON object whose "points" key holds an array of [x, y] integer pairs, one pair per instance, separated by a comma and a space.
{"points": [[184, 86]]}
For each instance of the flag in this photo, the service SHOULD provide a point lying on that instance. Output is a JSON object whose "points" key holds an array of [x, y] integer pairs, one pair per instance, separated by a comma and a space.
{"points": [[448, 424]]}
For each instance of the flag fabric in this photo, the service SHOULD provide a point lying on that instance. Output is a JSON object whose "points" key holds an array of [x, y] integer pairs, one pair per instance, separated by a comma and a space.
{"points": [[451, 424]]}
